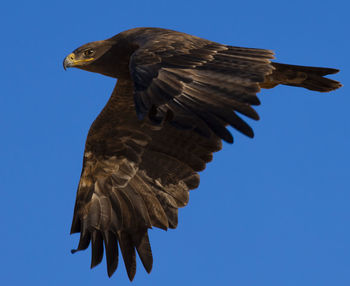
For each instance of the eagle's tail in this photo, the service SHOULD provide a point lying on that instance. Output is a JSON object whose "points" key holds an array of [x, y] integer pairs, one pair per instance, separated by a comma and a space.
{"points": [[308, 77]]}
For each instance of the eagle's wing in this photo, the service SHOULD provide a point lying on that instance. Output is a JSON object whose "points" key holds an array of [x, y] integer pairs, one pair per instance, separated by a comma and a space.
{"points": [[202, 83], [135, 175]]}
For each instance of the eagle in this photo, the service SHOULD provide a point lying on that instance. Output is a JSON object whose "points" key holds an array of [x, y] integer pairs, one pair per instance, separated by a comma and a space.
{"points": [[174, 98]]}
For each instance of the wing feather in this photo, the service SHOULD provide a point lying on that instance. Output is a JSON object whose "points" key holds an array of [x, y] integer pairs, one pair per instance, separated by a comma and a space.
{"points": [[143, 247], [111, 248], [96, 248], [128, 252], [134, 177], [202, 70]]}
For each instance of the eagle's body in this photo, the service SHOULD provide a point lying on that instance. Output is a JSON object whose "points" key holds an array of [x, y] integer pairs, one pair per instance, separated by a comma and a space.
{"points": [[174, 97]]}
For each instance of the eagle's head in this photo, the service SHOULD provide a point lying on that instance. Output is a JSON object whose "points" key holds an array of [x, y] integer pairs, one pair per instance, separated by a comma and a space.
{"points": [[99, 57]]}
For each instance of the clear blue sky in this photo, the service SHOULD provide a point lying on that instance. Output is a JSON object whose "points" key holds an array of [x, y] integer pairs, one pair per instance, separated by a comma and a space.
{"points": [[270, 211]]}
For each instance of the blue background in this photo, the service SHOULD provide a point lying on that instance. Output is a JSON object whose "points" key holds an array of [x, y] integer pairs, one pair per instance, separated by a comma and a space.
{"points": [[270, 211]]}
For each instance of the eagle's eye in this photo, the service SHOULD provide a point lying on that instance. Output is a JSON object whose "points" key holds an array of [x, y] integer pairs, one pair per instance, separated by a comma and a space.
{"points": [[88, 53]]}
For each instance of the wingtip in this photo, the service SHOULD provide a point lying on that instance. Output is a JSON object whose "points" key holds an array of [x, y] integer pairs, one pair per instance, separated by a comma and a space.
{"points": [[250, 134], [228, 140], [226, 136], [131, 274], [110, 272], [149, 268], [334, 71]]}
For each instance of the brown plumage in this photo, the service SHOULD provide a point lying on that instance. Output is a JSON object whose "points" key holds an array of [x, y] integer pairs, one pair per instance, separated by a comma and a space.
{"points": [[174, 97]]}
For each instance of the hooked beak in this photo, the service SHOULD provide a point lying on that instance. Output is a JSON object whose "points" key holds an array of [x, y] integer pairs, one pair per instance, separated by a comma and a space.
{"points": [[70, 61]]}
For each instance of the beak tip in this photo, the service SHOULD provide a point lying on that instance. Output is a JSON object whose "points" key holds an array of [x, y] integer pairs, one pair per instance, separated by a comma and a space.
{"points": [[65, 64], [68, 61]]}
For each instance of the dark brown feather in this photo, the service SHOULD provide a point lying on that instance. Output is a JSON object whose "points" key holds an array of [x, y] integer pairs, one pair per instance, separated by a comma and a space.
{"points": [[111, 247], [96, 248], [302, 76], [143, 247], [206, 70], [128, 252]]}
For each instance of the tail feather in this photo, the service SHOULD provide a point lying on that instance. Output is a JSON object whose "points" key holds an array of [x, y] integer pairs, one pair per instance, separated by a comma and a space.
{"points": [[302, 76]]}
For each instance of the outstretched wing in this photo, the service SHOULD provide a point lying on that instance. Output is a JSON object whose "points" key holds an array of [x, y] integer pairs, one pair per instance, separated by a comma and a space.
{"points": [[202, 83], [135, 175]]}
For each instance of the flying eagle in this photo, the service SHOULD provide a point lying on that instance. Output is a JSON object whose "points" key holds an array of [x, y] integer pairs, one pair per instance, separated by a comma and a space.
{"points": [[167, 115]]}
